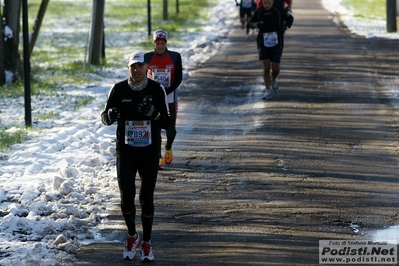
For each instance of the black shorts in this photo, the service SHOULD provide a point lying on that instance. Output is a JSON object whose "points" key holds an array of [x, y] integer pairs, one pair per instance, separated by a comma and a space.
{"points": [[273, 53], [245, 11]]}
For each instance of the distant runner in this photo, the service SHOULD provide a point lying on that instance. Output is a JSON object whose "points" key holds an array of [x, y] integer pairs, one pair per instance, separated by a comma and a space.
{"points": [[165, 67], [247, 8], [271, 22]]}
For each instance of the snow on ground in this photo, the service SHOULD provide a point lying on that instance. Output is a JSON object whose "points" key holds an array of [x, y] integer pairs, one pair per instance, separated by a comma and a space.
{"points": [[60, 185], [374, 27]]}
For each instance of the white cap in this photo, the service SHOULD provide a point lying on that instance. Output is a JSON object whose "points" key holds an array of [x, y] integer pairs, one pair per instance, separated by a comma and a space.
{"points": [[135, 57], [160, 34]]}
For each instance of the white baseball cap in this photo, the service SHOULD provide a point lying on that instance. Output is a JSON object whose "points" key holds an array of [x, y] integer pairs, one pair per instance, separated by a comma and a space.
{"points": [[135, 57]]}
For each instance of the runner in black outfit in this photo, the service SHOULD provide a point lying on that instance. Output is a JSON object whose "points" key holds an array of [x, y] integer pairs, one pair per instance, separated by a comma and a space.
{"points": [[271, 21], [140, 107]]}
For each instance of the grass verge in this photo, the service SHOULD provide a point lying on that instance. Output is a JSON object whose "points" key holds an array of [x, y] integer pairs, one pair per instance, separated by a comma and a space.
{"points": [[9, 137], [366, 9]]}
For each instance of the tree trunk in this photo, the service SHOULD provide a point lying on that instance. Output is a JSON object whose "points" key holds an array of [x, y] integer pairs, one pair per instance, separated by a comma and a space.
{"points": [[25, 30], [2, 69], [149, 17], [11, 14], [391, 16], [38, 24], [97, 30], [165, 9]]}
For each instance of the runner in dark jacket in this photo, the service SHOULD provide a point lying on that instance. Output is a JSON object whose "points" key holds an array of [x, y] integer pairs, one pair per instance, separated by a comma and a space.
{"points": [[140, 107], [271, 22]]}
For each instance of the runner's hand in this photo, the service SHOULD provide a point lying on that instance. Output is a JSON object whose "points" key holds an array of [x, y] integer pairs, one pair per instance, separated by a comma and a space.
{"points": [[113, 114], [147, 109], [259, 25]]}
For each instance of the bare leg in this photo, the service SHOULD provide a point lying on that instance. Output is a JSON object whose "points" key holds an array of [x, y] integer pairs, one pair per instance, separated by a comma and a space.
{"points": [[266, 73], [248, 20], [275, 70], [242, 20]]}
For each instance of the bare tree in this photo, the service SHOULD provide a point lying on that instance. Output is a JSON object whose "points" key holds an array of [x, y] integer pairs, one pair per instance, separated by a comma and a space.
{"points": [[391, 15], [38, 24], [2, 69], [97, 33], [10, 34], [165, 9]]}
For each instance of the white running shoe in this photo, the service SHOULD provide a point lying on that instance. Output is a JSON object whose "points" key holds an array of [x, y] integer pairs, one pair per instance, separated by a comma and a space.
{"points": [[268, 95], [275, 86], [146, 254], [132, 242]]}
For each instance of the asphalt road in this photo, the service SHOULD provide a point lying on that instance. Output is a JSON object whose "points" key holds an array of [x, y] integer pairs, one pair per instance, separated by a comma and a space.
{"points": [[259, 182]]}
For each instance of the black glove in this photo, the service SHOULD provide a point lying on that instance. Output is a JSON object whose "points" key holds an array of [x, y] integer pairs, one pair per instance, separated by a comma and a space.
{"points": [[147, 109], [289, 21], [259, 25], [113, 114]]}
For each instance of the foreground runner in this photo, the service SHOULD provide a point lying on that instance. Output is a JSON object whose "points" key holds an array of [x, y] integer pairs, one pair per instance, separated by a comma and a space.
{"points": [[165, 67], [140, 107], [271, 22]]}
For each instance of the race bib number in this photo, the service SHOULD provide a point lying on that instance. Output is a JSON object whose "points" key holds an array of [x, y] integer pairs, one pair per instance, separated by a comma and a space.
{"points": [[138, 133], [270, 39], [162, 76]]}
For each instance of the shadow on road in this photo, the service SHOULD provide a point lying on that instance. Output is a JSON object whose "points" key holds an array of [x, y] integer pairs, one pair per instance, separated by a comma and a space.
{"points": [[261, 182]]}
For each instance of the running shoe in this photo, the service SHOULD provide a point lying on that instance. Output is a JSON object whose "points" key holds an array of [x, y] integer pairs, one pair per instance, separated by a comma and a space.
{"points": [[268, 95], [168, 156], [146, 254], [161, 163], [275, 86], [132, 242]]}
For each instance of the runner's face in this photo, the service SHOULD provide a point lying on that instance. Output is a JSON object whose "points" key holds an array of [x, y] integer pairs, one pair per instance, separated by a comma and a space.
{"points": [[160, 46], [267, 4], [138, 72]]}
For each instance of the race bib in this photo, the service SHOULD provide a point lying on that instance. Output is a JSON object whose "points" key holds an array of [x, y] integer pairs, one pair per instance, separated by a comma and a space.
{"points": [[270, 39], [138, 133], [162, 76]]}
